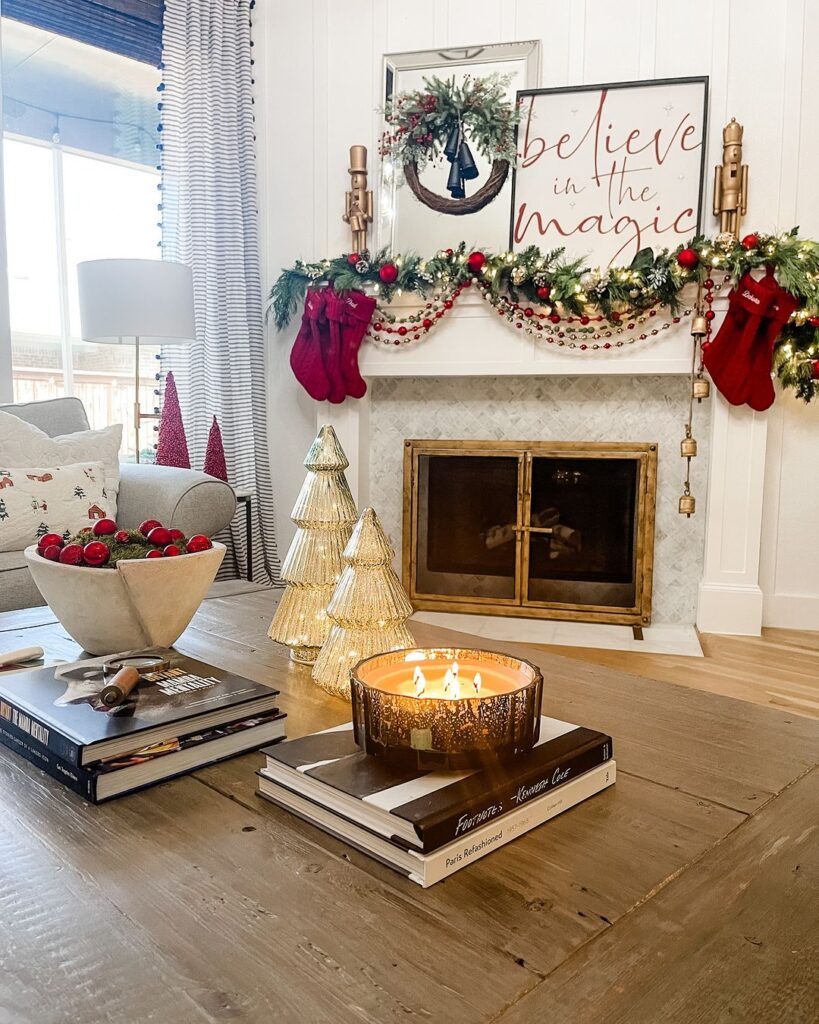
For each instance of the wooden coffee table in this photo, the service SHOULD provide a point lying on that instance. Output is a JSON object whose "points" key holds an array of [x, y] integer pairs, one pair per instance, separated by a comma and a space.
{"points": [[687, 893]]}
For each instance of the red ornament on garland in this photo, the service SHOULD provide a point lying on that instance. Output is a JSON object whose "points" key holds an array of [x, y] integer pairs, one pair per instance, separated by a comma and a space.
{"points": [[172, 448], [388, 273], [687, 258], [750, 242], [814, 321], [544, 292], [215, 464], [476, 261], [353, 258], [814, 370]]}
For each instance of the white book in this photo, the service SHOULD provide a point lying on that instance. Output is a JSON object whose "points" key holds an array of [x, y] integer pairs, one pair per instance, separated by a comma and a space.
{"points": [[427, 869]]}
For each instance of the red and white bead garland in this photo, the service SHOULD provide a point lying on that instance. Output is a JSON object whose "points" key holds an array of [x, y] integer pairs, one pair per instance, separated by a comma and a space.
{"points": [[582, 333]]}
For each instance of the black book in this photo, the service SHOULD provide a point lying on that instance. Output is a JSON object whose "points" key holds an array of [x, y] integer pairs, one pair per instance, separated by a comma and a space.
{"points": [[60, 710], [428, 810], [161, 761]]}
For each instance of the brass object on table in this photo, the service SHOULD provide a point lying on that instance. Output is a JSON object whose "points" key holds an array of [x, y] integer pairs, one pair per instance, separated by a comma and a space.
{"points": [[358, 202], [731, 181]]}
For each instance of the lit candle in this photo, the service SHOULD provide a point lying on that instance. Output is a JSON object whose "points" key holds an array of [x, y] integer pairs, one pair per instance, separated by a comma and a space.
{"points": [[445, 708]]}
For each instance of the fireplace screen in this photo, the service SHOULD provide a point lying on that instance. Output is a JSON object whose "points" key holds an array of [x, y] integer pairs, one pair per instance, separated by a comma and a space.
{"points": [[542, 530]]}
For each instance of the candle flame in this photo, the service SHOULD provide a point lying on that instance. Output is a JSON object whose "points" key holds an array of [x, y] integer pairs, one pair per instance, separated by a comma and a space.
{"points": [[476, 682]]}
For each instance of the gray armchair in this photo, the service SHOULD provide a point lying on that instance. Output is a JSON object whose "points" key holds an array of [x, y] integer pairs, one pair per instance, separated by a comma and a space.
{"points": [[191, 501]]}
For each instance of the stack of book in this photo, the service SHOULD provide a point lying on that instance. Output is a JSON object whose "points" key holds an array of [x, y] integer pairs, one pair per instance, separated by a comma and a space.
{"points": [[428, 825], [180, 717]]}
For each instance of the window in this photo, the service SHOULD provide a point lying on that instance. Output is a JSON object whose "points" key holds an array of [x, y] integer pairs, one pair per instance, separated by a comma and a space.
{"points": [[79, 153]]}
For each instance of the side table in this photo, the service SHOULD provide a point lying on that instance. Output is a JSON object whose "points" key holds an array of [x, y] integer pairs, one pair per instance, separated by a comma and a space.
{"points": [[244, 496]]}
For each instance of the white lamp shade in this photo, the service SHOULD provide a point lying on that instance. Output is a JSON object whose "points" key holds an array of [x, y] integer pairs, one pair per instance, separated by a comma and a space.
{"points": [[121, 300]]}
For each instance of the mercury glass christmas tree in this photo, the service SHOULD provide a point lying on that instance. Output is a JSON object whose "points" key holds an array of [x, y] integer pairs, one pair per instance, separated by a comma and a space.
{"points": [[324, 514], [368, 610]]}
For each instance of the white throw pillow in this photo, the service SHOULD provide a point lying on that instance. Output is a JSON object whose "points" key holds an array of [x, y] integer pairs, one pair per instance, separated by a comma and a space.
{"points": [[62, 500], [22, 444]]}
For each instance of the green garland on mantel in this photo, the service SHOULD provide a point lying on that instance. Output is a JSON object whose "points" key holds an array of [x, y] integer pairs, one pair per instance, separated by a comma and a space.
{"points": [[571, 286]]}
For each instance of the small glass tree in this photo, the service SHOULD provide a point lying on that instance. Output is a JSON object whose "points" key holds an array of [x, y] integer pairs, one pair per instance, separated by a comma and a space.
{"points": [[368, 609], [324, 514]]}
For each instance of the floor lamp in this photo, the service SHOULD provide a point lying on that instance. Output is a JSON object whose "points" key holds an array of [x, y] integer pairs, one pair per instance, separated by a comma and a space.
{"points": [[125, 302]]}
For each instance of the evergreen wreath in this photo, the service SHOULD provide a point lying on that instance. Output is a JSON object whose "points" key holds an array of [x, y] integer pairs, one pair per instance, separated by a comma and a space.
{"points": [[566, 285], [437, 121]]}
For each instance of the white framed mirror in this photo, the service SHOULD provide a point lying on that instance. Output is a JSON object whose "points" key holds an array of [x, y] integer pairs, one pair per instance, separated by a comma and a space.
{"points": [[404, 223]]}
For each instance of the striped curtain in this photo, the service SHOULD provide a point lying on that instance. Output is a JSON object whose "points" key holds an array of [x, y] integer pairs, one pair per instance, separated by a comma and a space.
{"points": [[209, 221]]}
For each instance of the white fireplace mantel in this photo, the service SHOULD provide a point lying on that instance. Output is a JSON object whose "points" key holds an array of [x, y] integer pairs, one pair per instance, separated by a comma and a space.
{"points": [[472, 342]]}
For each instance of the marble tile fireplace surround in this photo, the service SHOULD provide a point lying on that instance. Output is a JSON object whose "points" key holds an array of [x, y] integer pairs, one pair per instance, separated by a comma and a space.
{"points": [[475, 379]]}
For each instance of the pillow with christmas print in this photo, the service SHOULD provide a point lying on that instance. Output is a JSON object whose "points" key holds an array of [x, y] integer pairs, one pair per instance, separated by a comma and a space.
{"points": [[36, 501], [23, 444]]}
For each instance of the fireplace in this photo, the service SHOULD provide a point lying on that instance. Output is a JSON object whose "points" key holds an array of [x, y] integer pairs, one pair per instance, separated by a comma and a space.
{"points": [[538, 530]]}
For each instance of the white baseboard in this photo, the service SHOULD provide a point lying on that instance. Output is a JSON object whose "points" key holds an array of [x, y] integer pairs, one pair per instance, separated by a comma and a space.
{"points": [[791, 611], [730, 608]]}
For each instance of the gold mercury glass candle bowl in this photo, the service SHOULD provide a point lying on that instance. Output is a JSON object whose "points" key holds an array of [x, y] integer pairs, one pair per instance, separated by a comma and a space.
{"points": [[445, 708]]}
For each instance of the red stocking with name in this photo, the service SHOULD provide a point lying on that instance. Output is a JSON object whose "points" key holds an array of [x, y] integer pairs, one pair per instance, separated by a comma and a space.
{"points": [[728, 357], [349, 314], [761, 393], [358, 314], [307, 357]]}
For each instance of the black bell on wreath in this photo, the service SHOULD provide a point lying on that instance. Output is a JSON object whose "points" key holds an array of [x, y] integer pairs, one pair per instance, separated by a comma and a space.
{"points": [[455, 182], [453, 142], [467, 162]]}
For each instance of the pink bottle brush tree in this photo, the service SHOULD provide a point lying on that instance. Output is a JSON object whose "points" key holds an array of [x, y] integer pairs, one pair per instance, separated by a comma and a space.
{"points": [[172, 448], [215, 463]]}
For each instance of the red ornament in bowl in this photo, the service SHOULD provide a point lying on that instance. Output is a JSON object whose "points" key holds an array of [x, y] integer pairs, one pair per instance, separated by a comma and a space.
{"points": [[171, 550], [160, 536], [122, 537], [148, 525], [176, 534], [96, 553], [48, 540], [104, 528], [71, 554], [153, 553], [199, 543], [51, 552]]}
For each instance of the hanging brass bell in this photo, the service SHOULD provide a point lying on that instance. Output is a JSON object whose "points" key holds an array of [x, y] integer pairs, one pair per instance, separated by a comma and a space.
{"points": [[699, 326], [688, 447], [701, 388], [688, 505]]}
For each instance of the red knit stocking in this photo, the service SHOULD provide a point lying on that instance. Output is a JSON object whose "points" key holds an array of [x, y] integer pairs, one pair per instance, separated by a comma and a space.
{"points": [[359, 311], [306, 357], [761, 393], [335, 316], [728, 357]]}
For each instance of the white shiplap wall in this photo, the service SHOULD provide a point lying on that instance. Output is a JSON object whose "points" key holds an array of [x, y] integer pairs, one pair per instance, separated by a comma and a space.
{"points": [[319, 84]]}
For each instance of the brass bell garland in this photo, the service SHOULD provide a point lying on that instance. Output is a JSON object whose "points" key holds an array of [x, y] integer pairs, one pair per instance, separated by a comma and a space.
{"points": [[701, 388], [688, 447], [688, 505]]}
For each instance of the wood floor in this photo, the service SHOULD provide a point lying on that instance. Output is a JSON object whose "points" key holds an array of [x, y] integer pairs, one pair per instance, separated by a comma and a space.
{"points": [[780, 669]]}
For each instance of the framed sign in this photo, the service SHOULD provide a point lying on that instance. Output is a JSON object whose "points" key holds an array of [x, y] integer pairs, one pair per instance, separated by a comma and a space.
{"points": [[607, 170]]}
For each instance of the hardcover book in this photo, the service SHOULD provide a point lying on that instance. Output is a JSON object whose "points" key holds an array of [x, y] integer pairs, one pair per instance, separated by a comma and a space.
{"points": [[426, 869], [427, 810], [60, 709]]}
